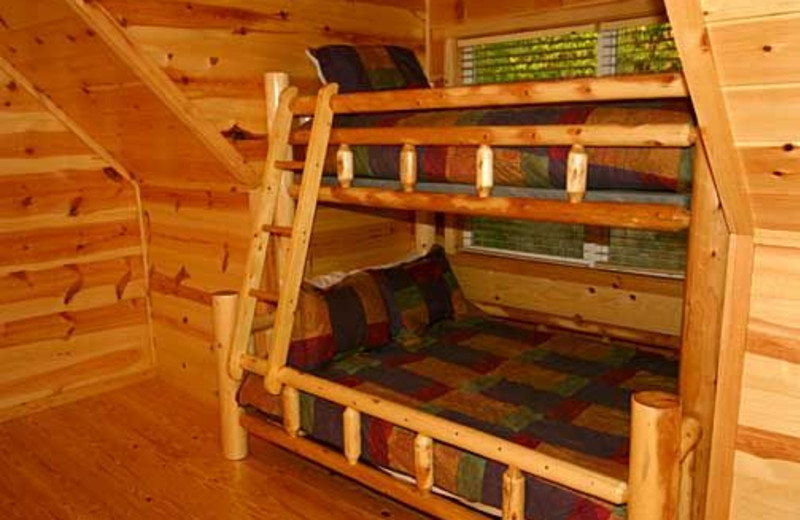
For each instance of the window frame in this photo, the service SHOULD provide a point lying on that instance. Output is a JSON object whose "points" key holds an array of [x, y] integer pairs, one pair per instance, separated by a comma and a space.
{"points": [[455, 78]]}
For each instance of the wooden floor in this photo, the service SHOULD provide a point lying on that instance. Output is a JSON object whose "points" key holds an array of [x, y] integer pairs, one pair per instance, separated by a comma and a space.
{"points": [[148, 451]]}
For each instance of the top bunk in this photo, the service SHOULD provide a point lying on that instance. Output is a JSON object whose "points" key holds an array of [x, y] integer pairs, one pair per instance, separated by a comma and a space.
{"points": [[386, 120]]}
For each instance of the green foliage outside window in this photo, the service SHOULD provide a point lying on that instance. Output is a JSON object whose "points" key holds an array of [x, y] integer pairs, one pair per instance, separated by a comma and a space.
{"points": [[646, 49]]}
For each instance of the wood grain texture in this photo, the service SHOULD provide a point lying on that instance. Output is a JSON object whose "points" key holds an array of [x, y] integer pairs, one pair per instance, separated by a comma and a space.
{"points": [[149, 451], [636, 302], [73, 317]]}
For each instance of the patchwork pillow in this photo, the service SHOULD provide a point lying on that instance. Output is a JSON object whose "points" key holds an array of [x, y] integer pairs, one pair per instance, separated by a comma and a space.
{"points": [[368, 68], [338, 321], [420, 293]]}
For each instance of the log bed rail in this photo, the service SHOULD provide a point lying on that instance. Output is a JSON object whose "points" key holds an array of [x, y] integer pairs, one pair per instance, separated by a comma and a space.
{"points": [[659, 482], [660, 217]]}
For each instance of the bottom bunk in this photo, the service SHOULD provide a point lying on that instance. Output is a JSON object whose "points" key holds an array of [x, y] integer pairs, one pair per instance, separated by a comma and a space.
{"points": [[563, 394]]}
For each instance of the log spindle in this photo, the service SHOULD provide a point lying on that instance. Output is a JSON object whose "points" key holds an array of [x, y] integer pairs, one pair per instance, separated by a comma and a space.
{"points": [[654, 474], [408, 167], [291, 410], [577, 170], [423, 462], [513, 494], [484, 179], [233, 436], [352, 435], [344, 166]]}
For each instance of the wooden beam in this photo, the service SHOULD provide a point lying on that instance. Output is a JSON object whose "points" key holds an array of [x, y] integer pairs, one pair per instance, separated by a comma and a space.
{"points": [[657, 135], [660, 217], [702, 316], [690, 35], [423, 462], [616, 88], [375, 479], [232, 435], [736, 312], [560, 471], [104, 25]]}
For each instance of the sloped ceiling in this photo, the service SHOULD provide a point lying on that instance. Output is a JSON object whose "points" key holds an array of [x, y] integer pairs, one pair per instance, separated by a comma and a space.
{"points": [[75, 54]]}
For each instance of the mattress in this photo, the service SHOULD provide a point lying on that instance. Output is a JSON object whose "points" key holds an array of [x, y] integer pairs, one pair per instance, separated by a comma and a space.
{"points": [[560, 393], [614, 168]]}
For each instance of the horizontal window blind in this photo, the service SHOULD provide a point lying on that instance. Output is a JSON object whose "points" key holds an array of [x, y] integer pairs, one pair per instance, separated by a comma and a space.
{"points": [[569, 55], [613, 50], [623, 249], [633, 49]]}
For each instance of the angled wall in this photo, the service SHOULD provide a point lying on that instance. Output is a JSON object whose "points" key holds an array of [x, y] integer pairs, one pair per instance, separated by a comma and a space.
{"points": [[73, 317]]}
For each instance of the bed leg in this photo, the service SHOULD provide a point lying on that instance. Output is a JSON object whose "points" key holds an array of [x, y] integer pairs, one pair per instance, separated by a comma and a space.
{"points": [[654, 474], [233, 435]]}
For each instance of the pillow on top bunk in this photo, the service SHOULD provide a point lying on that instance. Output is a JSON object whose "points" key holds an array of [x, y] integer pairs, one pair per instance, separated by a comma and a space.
{"points": [[368, 68], [420, 293], [340, 320]]}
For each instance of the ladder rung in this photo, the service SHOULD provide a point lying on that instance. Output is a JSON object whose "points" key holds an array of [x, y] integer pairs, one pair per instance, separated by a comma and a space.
{"points": [[264, 296], [290, 165], [263, 322], [283, 231]]}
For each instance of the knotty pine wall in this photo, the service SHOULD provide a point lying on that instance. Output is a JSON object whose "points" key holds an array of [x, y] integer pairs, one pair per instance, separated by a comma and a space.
{"points": [[217, 51], [73, 315], [756, 48]]}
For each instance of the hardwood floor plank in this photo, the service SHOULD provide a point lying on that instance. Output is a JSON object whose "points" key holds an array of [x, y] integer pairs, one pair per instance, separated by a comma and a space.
{"points": [[150, 451]]}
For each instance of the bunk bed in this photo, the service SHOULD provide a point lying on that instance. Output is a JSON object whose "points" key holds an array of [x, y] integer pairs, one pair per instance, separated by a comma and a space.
{"points": [[533, 421]]}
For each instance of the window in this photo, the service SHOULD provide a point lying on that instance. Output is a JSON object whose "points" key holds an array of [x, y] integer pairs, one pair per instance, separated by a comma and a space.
{"points": [[586, 51], [574, 53]]}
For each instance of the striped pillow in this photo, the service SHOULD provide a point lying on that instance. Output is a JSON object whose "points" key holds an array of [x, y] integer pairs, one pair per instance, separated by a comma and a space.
{"points": [[420, 293], [338, 321]]}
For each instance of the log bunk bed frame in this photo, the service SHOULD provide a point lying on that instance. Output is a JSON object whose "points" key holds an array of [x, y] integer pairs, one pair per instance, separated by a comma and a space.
{"points": [[665, 431]]}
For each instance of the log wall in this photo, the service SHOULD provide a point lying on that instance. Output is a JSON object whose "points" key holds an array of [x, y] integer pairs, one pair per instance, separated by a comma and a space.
{"points": [[73, 307], [216, 52]]}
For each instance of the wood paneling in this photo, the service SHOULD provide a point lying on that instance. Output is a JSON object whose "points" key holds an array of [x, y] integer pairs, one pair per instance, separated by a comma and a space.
{"points": [[637, 302], [73, 312], [83, 62], [216, 52]]}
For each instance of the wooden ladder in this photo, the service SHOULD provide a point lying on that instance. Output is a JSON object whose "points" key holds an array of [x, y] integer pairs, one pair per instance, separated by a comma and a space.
{"points": [[265, 229]]}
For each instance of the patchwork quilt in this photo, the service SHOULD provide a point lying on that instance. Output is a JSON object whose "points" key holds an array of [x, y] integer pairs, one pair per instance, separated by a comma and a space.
{"points": [[563, 394], [647, 169]]}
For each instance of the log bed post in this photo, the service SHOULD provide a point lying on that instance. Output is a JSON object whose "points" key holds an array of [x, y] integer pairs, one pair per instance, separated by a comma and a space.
{"points": [[654, 473], [423, 462], [345, 166], [408, 167], [577, 170], [484, 178], [232, 434], [513, 494]]}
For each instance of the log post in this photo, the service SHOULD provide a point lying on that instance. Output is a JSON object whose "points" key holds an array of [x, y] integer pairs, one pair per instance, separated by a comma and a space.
{"points": [[654, 474], [352, 435], [577, 169], [344, 166], [233, 436], [687, 487], [291, 410], [423, 462], [484, 179], [408, 167], [513, 494]]}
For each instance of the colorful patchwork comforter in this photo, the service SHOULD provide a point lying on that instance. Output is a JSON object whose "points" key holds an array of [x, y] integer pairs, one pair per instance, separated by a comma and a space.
{"points": [[647, 169], [563, 394]]}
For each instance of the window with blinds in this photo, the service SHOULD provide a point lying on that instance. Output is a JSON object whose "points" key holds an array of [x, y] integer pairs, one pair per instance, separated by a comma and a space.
{"points": [[576, 53], [615, 49]]}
